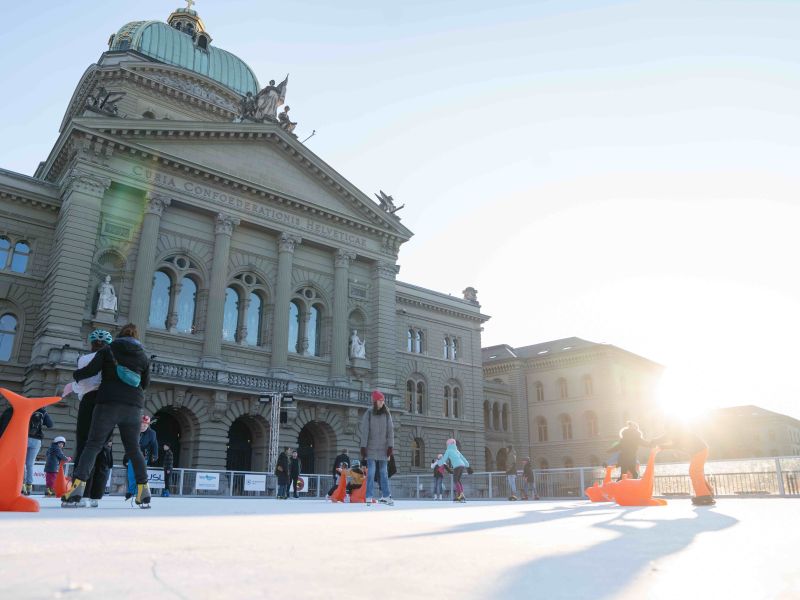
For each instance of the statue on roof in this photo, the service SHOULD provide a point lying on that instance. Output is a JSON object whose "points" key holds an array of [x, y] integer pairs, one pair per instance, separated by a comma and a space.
{"points": [[286, 124], [103, 101], [269, 99], [387, 203]]}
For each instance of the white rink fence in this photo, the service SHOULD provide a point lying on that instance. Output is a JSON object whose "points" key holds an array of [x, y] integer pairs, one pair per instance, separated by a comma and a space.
{"points": [[756, 477]]}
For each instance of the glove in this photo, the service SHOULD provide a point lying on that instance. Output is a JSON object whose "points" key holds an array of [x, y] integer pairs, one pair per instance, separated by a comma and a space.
{"points": [[389, 452], [363, 452], [470, 470]]}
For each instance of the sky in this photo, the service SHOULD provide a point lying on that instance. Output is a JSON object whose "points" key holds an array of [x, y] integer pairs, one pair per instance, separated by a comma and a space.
{"points": [[624, 172]]}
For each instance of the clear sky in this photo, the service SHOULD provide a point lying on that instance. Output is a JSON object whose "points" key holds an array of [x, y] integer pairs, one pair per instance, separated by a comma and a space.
{"points": [[624, 172]]}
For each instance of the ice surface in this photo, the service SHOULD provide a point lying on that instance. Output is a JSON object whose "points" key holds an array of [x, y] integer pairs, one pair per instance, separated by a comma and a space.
{"points": [[226, 548]]}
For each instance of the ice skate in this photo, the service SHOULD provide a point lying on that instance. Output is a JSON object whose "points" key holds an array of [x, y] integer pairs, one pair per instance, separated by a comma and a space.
{"points": [[142, 495], [49, 492], [387, 501], [703, 501], [513, 498], [94, 503], [27, 489], [461, 498], [73, 497]]}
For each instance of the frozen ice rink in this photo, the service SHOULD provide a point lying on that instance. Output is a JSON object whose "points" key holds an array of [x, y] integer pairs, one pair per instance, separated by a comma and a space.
{"points": [[223, 548]]}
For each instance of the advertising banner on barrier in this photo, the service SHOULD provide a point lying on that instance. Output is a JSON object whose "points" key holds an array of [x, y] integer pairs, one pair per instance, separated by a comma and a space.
{"points": [[38, 475], [302, 485], [207, 481], [255, 483], [155, 478]]}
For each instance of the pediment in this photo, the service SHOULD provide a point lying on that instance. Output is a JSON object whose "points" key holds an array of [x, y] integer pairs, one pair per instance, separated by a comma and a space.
{"points": [[260, 156]]}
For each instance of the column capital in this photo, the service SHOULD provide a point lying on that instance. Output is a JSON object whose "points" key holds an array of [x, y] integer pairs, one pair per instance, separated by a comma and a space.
{"points": [[344, 257], [288, 241], [224, 224], [85, 182], [155, 204], [386, 270]]}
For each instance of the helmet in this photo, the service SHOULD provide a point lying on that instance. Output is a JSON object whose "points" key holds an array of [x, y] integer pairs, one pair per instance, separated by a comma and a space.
{"points": [[146, 419], [100, 335], [60, 438], [356, 463]]}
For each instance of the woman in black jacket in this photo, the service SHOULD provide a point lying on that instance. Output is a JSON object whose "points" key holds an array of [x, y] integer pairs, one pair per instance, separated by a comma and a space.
{"points": [[119, 403]]}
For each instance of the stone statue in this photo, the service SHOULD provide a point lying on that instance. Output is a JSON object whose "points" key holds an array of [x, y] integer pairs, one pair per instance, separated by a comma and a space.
{"points": [[357, 346], [387, 203], [104, 102], [283, 119], [248, 106], [471, 294], [269, 99], [108, 296]]}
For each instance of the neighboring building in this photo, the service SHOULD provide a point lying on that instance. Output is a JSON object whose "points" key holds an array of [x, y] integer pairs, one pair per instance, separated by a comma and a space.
{"points": [[246, 261], [750, 431], [564, 402]]}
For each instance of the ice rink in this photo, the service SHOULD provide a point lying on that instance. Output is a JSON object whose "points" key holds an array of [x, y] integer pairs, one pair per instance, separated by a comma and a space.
{"points": [[224, 548]]}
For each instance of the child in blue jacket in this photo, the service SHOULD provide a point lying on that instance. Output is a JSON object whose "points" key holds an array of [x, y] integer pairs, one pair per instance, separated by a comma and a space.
{"points": [[459, 464]]}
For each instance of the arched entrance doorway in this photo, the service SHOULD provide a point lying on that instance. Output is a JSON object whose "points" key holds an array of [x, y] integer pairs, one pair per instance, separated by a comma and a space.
{"points": [[501, 459], [240, 447], [487, 456], [168, 431], [316, 447]]}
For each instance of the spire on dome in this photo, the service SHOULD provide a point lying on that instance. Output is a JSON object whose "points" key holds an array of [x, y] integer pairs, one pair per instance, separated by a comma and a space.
{"points": [[189, 22]]}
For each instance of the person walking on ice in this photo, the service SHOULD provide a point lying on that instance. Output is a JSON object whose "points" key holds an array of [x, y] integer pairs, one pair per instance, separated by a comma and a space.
{"points": [[459, 464], [377, 446]]}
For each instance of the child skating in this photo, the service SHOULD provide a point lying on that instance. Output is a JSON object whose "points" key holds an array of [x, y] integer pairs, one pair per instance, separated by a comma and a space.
{"points": [[459, 464]]}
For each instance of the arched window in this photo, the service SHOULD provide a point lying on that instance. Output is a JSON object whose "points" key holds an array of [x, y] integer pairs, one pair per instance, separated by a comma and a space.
{"points": [[541, 428], [230, 317], [446, 348], [202, 42], [417, 452], [591, 424], [19, 260], [159, 300], [456, 402], [8, 334], [313, 329], [419, 342], [486, 414], [566, 427], [539, 391], [294, 326], [446, 403], [410, 340], [562, 388], [568, 463], [495, 417], [5, 246], [588, 386], [454, 352], [420, 397], [254, 320], [186, 304], [505, 417], [410, 389]]}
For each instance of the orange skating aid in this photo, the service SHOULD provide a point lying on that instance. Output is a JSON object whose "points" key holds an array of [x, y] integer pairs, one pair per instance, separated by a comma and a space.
{"points": [[359, 494], [341, 490], [636, 492], [13, 447], [597, 493], [62, 482]]}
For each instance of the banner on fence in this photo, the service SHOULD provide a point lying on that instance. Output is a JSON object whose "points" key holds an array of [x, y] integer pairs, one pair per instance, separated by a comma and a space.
{"points": [[207, 481], [38, 475], [155, 478], [255, 483], [302, 484]]}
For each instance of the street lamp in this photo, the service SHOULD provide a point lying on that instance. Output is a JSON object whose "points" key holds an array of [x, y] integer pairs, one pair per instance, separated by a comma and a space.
{"points": [[276, 399]]}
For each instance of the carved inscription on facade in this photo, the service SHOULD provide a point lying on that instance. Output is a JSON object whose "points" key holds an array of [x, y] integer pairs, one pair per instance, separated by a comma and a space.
{"points": [[254, 208]]}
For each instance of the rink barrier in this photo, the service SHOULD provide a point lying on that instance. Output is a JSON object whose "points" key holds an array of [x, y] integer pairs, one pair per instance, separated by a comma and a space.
{"points": [[754, 477]]}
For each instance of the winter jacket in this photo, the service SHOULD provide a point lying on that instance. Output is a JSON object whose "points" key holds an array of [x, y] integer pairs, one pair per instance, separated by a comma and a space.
{"points": [[680, 438], [90, 384], [54, 456], [169, 460], [337, 462], [295, 467], [454, 456], [148, 444], [377, 432], [438, 470], [128, 353], [527, 470], [39, 419], [282, 468], [511, 463], [628, 445]]}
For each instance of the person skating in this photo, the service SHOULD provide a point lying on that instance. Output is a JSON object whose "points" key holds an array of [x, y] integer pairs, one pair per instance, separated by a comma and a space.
{"points": [[438, 478], [459, 463], [529, 480], [39, 419], [54, 457], [96, 485], [511, 472], [148, 444], [120, 399], [337, 464], [168, 461], [295, 466], [377, 445], [681, 437], [630, 439], [282, 473]]}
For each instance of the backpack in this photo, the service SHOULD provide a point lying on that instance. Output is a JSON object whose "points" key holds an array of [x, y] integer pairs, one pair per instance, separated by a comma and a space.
{"points": [[35, 424]]}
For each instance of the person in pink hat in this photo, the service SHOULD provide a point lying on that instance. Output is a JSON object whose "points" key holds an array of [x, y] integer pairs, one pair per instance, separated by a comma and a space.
{"points": [[377, 446]]}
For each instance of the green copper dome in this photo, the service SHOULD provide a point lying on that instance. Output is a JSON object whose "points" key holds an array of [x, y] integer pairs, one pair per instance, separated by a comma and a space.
{"points": [[175, 47]]}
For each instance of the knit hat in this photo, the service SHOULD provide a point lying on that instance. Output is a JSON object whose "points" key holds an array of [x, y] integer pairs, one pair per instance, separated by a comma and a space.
{"points": [[451, 441], [376, 395], [146, 419]]}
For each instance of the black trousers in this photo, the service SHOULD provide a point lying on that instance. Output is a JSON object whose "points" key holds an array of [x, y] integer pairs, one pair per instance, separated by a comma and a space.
{"points": [[293, 484], [96, 482], [104, 417]]}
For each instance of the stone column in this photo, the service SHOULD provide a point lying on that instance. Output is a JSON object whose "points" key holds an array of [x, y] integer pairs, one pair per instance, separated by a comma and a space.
{"points": [[68, 279], [283, 293], [339, 337], [212, 340], [383, 354], [139, 310]]}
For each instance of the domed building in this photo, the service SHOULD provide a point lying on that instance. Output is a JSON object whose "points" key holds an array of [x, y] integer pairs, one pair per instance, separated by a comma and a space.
{"points": [[177, 197]]}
